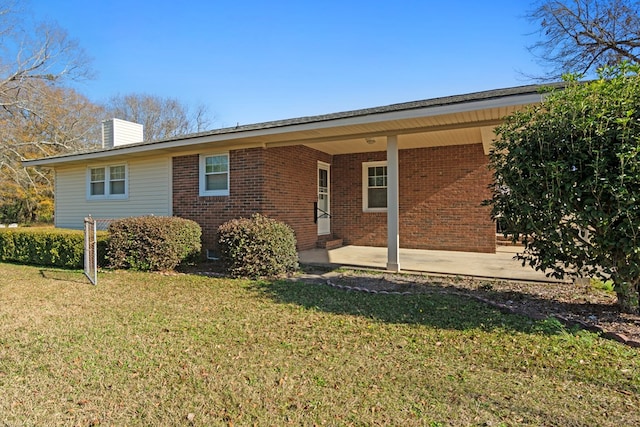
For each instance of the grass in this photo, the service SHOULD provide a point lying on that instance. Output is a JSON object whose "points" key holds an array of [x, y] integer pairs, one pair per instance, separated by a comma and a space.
{"points": [[151, 349], [605, 285]]}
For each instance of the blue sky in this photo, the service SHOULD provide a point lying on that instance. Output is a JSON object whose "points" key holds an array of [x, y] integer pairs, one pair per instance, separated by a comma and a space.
{"points": [[254, 61]]}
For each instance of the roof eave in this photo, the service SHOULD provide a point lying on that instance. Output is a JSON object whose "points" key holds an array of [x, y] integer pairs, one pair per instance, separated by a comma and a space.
{"points": [[457, 104]]}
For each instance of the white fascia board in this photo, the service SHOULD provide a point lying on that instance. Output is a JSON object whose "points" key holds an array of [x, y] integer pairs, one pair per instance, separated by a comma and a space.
{"points": [[437, 110], [237, 136]]}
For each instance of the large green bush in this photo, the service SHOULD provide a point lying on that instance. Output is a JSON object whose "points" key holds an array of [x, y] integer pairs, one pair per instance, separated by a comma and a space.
{"points": [[153, 243], [257, 247], [567, 181], [47, 246]]}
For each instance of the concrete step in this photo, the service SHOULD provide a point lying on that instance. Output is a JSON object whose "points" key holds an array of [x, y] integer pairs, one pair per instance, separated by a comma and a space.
{"points": [[331, 243], [505, 241]]}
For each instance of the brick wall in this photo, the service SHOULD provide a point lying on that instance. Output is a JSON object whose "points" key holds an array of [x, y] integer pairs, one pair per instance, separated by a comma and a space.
{"points": [[441, 191], [291, 189], [348, 222], [277, 182], [245, 192]]}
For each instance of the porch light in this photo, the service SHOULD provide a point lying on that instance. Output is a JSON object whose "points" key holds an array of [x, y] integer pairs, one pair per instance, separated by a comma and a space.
{"points": [[370, 141]]}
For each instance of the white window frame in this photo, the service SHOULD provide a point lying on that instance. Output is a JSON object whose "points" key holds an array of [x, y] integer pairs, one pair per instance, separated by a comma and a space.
{"points": [[202, 173], [365, 185], [107, 181]]}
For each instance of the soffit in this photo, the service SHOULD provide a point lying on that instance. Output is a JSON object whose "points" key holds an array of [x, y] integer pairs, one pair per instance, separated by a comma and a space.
{"points": [[450, 129], [453, 124], [446, 129]]}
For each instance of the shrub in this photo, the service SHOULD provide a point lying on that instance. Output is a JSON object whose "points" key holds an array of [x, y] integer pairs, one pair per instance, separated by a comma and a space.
{"points": [[153, 243], [48, 246], [257, 247]]}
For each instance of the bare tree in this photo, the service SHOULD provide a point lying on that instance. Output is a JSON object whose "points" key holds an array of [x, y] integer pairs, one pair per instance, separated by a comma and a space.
{"points": [[58, 121], [39, 53], [161, 117], [37, 116], [580, 36]]}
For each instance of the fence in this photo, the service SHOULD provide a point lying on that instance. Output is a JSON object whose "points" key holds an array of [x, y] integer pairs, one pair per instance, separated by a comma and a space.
{"points": [[102, 224], [90, 250]]}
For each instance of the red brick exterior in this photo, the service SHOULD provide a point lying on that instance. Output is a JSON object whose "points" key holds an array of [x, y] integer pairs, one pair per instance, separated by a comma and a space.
{"points": [[277, 182], [441, 190], [291, 189]]}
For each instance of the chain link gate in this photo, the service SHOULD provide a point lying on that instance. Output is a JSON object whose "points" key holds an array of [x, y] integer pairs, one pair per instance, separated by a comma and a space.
{"points": [[90, 250]]}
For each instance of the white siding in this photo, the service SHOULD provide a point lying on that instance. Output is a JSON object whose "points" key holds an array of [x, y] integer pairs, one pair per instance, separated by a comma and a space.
{"points": [[107, 134], [149, 182], [116, 132]]}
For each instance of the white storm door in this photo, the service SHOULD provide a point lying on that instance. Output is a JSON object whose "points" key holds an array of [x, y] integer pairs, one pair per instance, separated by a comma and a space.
{"points": [[324, 206]]}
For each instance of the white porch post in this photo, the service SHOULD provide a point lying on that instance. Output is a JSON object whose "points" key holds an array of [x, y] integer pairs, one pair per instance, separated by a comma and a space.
{"points": [[393, 222]]}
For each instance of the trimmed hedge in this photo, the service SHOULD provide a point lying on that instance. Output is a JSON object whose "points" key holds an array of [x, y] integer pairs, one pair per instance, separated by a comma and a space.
{"points": [[48, 246], [153, 243], [257, 247]]}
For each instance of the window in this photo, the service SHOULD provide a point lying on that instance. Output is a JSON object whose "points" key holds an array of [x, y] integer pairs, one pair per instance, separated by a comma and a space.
{"points": [[107, 182], [117, 177], [97, 182], [374, 187], [214, 175]]}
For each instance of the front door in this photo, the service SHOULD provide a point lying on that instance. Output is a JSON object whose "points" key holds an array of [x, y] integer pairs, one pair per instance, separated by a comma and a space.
{"points": [[324, 206]]}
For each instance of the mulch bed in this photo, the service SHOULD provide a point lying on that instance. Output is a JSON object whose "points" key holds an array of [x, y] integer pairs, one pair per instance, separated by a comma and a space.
{"points": [[572, 304]]}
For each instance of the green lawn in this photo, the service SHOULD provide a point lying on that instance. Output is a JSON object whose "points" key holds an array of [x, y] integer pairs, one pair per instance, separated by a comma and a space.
{"points": [[151, 349]]}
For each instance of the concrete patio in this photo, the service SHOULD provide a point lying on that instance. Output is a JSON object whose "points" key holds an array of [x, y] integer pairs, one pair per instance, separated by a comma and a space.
{"points": [[500, 265]]}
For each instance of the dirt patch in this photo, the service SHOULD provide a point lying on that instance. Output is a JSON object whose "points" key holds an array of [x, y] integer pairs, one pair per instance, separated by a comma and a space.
{"points": [[580, 304]]}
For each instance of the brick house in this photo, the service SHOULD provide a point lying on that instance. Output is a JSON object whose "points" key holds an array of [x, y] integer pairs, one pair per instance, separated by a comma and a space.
{"points": [[411, 175]]}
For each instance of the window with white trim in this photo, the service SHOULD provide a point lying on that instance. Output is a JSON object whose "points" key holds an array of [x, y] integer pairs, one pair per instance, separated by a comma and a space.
{"points": [[117, 180], [214, 174], [374, 186], [107, 182]]}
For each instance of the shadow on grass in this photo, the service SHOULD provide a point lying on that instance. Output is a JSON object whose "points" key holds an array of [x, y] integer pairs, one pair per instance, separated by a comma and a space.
{"points": [[433, 308], [73, 276]]}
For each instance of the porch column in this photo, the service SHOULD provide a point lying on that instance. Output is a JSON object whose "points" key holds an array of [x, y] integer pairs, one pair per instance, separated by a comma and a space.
{"points": [[393, 222]]}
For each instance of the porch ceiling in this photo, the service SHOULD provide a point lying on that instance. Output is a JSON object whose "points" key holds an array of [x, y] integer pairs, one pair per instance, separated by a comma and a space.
{"points": [[405, 141], [442, 130]]}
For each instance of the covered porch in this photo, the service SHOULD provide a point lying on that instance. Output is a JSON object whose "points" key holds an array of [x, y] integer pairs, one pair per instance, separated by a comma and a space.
{"points": [[433, 157], [500, 265]]}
